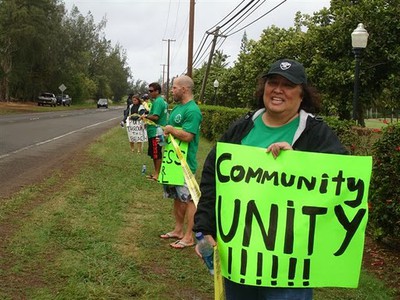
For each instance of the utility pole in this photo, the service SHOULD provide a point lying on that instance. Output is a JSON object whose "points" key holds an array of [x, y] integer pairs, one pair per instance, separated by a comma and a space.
{"points": [[169, 47], [214, 42], [191, 38], [163, 76]]}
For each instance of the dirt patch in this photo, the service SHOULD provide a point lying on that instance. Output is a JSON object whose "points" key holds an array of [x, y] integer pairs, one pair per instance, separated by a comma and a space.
{"points": [[17, 107], [383, 260]]}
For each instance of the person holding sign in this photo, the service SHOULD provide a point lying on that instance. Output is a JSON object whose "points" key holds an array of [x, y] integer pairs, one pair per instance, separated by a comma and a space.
{"points": [[184, 125], [284, 121], [134, 125], [157, 114]]}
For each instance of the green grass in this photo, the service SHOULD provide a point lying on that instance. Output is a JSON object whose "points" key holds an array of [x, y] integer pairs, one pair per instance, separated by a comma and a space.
{"points": [[97, 237]]}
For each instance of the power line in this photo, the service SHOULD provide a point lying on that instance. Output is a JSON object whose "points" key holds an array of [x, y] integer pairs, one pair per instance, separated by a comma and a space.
{"points": [[237, 14], [272, 9], [198, 51], [198, 54], [201, 58], [231, 12], [166, 23], [176, 19], [243, 17]]}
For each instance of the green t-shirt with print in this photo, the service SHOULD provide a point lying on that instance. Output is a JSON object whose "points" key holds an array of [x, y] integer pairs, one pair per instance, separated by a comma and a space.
{"points": [[262, 135], [188, 117], [158, 108]]}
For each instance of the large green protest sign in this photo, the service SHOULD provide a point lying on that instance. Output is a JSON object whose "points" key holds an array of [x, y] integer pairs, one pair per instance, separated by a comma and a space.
{"points": [[171, 170], [295, 221]]}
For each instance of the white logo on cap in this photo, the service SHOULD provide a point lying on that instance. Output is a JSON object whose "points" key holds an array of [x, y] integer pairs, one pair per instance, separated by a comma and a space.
{"points": [[285, 65]]}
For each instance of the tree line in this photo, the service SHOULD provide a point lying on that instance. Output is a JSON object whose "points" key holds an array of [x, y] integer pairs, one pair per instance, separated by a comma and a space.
{"points": [[42, 46], [322, 42]]}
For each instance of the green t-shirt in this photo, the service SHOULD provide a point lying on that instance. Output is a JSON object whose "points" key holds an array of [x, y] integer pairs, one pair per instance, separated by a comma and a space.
{"points": [[159, 108], [262, 135], [188, 117]]}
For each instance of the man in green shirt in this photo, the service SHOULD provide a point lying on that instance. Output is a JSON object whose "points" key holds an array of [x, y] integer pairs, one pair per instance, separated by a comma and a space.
{"points": [[184, 124], [157, 114]]}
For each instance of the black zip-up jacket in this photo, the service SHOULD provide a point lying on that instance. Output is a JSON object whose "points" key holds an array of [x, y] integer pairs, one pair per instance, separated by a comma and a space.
{"points": [[312, 135]]}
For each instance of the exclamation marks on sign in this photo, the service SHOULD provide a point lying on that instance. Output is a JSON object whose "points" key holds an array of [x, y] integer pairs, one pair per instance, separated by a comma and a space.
{"points": [[243, 266], [259, 268], [292, 270], [274, 270], [229, 262], [306, 272]]}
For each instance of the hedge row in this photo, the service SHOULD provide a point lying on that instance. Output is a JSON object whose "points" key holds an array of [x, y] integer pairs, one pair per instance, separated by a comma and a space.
{"points": [[383, 146]]}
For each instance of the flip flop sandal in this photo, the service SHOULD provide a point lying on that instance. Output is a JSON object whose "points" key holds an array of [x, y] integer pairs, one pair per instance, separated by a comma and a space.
{"points": [[180, 245], [169, 235], [151, 177]]}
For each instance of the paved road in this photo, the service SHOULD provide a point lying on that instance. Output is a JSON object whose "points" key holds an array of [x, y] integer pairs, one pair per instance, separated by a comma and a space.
{"points": [[33, 144]]}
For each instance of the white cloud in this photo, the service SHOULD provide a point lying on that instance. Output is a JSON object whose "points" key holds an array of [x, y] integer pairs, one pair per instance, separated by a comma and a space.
{"points": [[140, 27]]}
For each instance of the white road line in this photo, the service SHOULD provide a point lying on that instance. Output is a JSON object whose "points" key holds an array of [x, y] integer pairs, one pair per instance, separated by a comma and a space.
{"points": [[55, 138]]}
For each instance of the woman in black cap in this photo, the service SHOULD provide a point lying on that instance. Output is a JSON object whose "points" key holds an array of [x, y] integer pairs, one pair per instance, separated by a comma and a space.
{"points": [[284, 121]]}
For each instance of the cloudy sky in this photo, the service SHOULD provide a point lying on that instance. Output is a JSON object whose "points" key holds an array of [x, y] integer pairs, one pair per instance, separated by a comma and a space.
{"points": [[140, 27]]}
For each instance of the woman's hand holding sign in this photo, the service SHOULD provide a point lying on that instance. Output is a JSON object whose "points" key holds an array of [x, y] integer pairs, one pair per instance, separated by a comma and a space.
{"points": [[276, 148]]}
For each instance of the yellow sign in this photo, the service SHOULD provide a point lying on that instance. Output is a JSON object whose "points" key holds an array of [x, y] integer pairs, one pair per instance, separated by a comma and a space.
{"points": [[171, 170]]}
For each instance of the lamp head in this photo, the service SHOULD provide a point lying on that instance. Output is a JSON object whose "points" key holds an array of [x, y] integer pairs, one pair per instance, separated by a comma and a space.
{"points": [[359, 37]]}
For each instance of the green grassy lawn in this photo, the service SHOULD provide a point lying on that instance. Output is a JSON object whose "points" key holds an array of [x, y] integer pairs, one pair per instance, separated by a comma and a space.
{"points": [[95, 235], [375, 123]]}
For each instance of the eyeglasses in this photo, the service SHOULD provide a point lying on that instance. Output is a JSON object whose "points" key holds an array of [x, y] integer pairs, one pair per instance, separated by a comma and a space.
{"points": [[150, 91]]}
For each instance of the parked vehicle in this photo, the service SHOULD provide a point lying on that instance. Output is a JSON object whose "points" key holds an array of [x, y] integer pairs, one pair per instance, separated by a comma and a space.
{"points": [[47, 99], [103, 102], [64, 100]]}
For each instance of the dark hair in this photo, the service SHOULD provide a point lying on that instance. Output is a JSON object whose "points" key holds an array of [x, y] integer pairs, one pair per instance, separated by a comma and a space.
{"points": [[311, 99], [156, 86], [136, 97], [135, 107]]}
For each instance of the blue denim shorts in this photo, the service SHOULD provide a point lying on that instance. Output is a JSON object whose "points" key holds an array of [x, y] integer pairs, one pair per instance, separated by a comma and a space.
{"points": [[180, 192], [236, 291]]}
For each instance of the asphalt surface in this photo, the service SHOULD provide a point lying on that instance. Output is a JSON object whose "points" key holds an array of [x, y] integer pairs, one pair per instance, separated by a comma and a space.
{"points": [[34, 145]]}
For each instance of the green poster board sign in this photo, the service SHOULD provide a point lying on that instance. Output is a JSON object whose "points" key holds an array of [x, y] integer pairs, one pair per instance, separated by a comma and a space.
{"points": [[171, 170], [295, 221]]}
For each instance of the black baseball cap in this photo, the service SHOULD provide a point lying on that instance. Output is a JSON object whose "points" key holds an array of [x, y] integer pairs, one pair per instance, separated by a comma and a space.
{"points": [[290, 69]]}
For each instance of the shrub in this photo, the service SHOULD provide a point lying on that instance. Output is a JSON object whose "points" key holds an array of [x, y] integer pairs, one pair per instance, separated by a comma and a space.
{"points": [[357, 140], [217, 119], [385, 185]]}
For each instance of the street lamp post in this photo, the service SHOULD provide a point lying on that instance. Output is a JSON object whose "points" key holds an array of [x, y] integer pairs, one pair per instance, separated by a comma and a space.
{"points": [[216, 85], [359, 39]]}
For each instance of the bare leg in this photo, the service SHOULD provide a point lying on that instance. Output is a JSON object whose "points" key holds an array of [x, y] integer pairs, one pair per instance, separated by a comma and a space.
{"points": [[190, 211], [132, 146], [157, 167], [181, 210], [140, 147], [179, 214]]}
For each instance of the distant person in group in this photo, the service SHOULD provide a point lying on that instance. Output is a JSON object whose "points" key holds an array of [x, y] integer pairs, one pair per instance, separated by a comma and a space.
{"points": [[283, 121], [184, 124], [128, 102], [135, 128], [146, 102], [157, 114]]}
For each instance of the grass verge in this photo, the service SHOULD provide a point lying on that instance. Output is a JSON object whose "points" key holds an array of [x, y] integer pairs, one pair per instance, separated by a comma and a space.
{"points": [[97, 237]]}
